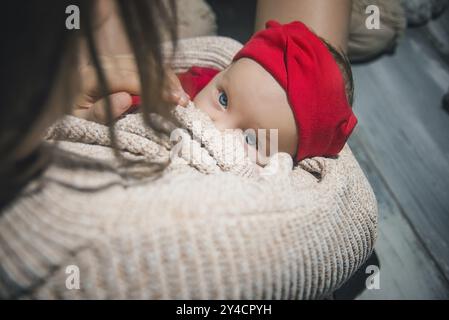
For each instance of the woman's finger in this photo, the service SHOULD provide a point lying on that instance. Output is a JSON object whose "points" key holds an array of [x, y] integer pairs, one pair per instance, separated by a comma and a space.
{"points": [[121, 75], [176, 97], [120, 103], [173, 91]]}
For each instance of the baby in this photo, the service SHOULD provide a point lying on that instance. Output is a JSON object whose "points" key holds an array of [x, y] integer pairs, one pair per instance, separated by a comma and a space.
{"points": [[285, 78]]}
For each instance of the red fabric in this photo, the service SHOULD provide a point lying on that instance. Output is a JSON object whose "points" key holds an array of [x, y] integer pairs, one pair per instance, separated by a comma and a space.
{"points": [[135, 100], [195, 79], [192, 81], [315, 87]]}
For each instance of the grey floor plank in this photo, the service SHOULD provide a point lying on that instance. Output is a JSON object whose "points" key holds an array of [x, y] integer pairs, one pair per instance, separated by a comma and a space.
{"points": [[438, 32], [398, 102], [407, 271]]}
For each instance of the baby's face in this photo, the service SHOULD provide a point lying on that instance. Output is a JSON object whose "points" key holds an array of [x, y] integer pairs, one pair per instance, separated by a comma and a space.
{"points": [[245, 96]]}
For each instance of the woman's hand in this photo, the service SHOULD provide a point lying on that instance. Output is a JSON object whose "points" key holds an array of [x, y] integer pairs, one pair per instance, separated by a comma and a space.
{"points": [[173, 91], [123, 80]]}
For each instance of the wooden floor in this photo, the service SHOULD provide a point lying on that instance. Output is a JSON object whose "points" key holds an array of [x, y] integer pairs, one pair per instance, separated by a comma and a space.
{"points": [[402, 144]]}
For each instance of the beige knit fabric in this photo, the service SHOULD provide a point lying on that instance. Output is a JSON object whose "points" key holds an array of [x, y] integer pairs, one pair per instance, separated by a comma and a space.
{"points": [[195, 19], [214, 228]]}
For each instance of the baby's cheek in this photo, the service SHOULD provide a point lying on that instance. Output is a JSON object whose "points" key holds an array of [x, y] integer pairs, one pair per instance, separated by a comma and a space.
{"points": [[200, 101], [204, 103]]}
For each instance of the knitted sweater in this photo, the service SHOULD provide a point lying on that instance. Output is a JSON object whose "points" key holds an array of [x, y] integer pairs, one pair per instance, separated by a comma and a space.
{"points": [[208, 227]]}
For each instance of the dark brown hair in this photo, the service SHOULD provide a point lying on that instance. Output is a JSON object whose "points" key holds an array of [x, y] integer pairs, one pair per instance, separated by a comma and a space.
{"points": [[36, 46], [345, 68]]}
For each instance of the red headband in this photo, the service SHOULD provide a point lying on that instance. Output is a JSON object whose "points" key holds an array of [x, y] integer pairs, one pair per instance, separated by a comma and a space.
{"points": [[315, 87]]}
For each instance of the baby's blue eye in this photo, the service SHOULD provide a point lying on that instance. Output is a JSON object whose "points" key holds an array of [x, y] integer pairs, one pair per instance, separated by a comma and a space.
{"points": [[223, 99], [250, 139]]}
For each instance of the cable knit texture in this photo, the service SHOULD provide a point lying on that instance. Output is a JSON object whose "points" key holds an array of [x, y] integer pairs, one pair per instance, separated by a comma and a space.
{"points": [[211, 225]]}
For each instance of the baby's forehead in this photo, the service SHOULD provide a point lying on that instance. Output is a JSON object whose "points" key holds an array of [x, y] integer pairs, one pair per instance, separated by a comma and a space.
{"points": [[259, 99], [256, 94], [252, 82]]}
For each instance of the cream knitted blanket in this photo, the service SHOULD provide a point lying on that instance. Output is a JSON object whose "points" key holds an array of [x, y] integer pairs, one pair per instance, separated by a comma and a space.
{"points": [[210, 226]]}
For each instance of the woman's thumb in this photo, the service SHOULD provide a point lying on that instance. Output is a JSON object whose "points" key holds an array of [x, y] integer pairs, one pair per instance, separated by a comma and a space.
{"points": [[120, 103]]}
